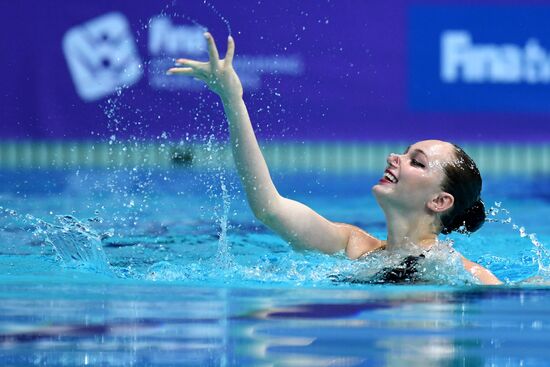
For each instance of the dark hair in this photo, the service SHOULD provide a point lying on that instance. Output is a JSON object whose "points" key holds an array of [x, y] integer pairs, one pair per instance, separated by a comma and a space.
{"points": [[463, 181]]}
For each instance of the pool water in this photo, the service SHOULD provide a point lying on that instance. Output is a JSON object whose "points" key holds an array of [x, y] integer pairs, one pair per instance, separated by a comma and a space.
{"points": [[169, 267]]}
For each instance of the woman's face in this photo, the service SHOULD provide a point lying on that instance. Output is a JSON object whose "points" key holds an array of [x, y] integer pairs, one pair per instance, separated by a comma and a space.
{"points": [[414, 178]]}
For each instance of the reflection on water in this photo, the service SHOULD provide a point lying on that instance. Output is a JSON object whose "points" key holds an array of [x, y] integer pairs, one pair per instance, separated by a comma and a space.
{"points": [[169, 325]]}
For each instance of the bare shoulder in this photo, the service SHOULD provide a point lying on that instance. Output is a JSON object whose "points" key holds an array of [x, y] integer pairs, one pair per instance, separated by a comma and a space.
{"points": [[360, 242], [478, 271]]}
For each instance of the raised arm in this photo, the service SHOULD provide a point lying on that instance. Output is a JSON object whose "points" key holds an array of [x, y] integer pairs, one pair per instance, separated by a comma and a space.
{"points": [[295, 222]]}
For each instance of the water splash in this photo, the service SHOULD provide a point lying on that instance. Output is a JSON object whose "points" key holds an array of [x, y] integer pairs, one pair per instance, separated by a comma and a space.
{"points": [[73, 242], [223, 256], [76, 244], [441, 265], [129, 127], [499, 214]]}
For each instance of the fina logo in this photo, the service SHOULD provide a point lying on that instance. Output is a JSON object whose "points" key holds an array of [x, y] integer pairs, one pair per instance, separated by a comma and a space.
{"points": [[464, 61], [102, 53], [167, 38], [102, 56]]}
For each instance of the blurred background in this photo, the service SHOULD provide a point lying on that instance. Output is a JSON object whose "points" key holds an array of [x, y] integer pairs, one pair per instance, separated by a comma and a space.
{"points": [[329, 84]]}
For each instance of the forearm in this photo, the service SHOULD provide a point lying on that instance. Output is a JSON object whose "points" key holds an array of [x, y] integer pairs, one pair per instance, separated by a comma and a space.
{"points": [[249, 161]]}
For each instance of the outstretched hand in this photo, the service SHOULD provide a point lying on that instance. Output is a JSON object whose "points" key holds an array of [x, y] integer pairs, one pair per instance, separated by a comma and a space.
{"points": [[218, 74]]}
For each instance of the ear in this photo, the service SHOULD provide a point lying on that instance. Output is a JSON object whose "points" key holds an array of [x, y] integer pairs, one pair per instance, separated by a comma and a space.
{"points": [[441, 203]]}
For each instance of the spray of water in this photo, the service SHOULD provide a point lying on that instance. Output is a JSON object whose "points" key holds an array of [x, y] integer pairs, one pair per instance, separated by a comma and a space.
{"points": [[223, 257], [133, 186], [499, 214], [74, 243]]}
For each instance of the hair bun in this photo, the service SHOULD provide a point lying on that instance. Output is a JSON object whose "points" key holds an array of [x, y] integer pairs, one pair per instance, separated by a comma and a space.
{"points": [[470, 220]]}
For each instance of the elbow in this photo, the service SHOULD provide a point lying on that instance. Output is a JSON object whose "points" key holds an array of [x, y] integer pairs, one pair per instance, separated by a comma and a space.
{"points": [[263, 213], [266, 212]]}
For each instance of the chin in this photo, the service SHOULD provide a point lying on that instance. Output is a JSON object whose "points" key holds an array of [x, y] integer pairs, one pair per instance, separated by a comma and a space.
{"points": [[383, 196], [379, 193], [381, 200], [379, 190]]}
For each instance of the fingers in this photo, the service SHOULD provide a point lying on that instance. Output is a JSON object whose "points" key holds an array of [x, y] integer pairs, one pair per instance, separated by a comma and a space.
{"points": [[212, 50], [185, 71], [189, 63], [230, 50], [197, 68]]}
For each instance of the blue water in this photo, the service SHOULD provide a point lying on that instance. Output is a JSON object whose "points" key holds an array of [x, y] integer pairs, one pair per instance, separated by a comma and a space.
{"points": [[168, 267]]}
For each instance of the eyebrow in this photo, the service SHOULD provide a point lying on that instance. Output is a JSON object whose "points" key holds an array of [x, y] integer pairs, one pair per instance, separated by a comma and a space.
{"points": [[416, 150]]}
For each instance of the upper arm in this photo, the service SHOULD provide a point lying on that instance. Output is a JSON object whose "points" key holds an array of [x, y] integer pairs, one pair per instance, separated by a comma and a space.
{"points": [[478, 271], [302, 227]]}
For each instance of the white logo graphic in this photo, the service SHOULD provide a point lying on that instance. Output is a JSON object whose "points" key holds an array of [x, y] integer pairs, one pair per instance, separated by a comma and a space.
{"points": [[102, 56], [461, 60], [166, 38]]}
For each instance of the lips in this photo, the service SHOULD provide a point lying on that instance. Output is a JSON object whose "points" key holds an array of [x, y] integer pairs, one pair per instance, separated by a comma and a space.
{"points": [[389, 177]]}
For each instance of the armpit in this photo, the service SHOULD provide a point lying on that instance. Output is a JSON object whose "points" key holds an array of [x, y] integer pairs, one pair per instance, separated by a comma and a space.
{"points": [[360, 243]]}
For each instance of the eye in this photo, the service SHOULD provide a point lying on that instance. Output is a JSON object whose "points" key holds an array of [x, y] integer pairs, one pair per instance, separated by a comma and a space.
{"points": [[416, 163]]}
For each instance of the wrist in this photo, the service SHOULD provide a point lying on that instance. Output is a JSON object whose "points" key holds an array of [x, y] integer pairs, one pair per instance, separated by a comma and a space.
{"points": [[231, 98]]}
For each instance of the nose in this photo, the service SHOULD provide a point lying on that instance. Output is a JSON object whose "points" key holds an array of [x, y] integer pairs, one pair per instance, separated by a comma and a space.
{"points": [[393, 160]]}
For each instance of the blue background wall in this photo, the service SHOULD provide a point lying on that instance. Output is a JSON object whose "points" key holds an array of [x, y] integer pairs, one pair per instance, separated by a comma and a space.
{"points": [[315, 70]]}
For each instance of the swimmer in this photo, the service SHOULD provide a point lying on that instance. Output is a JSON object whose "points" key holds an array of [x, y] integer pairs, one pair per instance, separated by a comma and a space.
{"points": [[431, 188]]}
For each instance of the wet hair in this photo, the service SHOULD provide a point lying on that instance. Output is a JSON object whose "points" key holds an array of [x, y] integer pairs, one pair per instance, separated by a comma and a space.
{"points": [[463, 181]]}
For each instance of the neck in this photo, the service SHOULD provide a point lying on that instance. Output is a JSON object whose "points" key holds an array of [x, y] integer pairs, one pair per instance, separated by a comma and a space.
{"points": [[415, 228]]}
